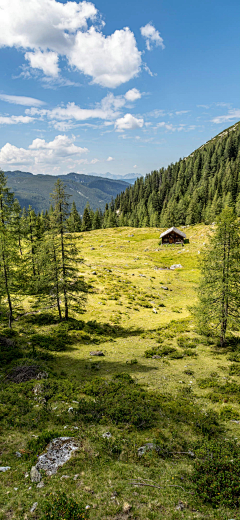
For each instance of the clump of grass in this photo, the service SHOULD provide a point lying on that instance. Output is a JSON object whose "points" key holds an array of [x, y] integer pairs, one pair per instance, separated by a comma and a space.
{"points": [[62, 507]]}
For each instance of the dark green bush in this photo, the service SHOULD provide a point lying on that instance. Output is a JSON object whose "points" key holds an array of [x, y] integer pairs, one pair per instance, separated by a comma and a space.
{"points": [[234, 370], [228, 413], [56, 341], [216, 475], [185, 342], [119, 400], [37, 445], [61, 507], [159, 351]]}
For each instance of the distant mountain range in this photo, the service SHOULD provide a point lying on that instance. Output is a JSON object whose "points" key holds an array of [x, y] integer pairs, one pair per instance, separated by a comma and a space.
{"points": [[129, 177], [34, 190]]}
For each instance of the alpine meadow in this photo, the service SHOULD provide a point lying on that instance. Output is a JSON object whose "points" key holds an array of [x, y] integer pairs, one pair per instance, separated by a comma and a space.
{"points": [[119, 289]]}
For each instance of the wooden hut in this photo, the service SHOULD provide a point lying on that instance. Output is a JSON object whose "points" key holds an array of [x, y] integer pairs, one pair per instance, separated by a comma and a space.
{"points": [[173, 236]]}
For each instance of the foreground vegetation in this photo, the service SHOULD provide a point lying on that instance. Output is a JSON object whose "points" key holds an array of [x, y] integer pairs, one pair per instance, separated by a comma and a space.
{"points": [[161, 386]]}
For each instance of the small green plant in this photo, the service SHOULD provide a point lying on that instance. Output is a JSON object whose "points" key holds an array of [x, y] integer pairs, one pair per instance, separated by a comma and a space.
{"points": [[160, 351], [216, 475], [61, 507]]}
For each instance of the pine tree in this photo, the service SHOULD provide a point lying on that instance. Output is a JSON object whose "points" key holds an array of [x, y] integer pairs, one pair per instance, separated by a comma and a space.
{"points": [[86, 219], [219, 290], [74, 222], [8, 248]]}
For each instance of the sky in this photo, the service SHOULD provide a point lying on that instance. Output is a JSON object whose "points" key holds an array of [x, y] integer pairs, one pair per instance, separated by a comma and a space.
{"points": [[114, 86]]}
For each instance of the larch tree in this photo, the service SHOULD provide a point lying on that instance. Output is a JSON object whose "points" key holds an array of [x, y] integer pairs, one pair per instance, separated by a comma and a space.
{"points": [[219, 289], [8, 248]]}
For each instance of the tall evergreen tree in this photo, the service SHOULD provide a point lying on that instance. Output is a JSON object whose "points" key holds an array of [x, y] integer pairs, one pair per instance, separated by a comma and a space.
{"points": [[219, 290], [8, 248], [74, 222]]}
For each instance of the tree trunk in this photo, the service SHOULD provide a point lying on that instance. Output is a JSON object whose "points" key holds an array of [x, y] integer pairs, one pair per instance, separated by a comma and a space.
{"points": [[57, 286]]}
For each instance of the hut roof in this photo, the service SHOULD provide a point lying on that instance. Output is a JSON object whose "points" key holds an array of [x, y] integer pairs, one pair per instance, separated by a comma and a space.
{"points": [[175, 231]]}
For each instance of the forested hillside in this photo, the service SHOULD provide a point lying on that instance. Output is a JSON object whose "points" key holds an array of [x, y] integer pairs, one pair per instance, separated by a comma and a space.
{"points": [[34, 190], [192, 190]]}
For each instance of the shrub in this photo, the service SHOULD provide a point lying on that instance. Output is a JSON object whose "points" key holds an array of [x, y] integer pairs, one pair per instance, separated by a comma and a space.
{"points": [[228, 413], [159, 351], [61, 507], [234, 370], [184, 342], [39, 444], [56, 341], [216, 474], [119, 400]]}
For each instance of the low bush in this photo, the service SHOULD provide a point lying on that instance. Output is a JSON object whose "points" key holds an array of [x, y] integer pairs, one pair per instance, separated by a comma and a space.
{"points": [[234, 370], [159, 351], [61, 507], [56, 341], [119, 400], [216, 474], [227, 413], [185, 342], [37, 445]]}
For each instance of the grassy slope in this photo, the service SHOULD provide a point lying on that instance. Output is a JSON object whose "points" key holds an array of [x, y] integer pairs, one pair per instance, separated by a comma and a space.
{"points": [[117, 297]]}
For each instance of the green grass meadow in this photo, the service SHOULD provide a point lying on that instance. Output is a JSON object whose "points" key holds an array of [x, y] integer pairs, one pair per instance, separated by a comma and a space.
{"points": [[189, 393]]}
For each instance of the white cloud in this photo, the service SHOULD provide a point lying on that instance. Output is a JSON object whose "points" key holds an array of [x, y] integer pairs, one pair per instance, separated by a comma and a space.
{"points": [[14, 120], [22, 100], [133, 94], [128, 122], [94, 161], [152, 36], [232, 114], [135, 166], [180, 112], [109, 159], [41, 154], [45, 61], [49, 29]]}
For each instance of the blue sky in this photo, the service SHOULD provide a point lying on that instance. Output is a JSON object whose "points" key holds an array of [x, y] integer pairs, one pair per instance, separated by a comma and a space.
{"points": [[119, 86]]}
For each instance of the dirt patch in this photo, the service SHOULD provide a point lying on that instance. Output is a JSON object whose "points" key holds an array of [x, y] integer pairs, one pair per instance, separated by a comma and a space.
{"points": [[24, 373]]}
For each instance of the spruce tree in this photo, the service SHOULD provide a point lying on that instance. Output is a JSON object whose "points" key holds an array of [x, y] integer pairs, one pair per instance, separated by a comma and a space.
{"points": [[74, 222], [86, 219], [219, 289]]}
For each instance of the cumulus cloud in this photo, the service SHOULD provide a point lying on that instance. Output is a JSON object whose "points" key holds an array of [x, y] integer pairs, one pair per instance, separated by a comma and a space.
{"points": [[45, 61], [152, 36], [47, 29], [14, 120], [109, 159], [133, 94], [62, 118], [22, 100], [232, 114], [128, 122], [41, 153]]}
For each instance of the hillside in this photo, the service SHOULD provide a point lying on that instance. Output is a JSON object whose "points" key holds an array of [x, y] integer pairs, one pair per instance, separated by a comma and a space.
{"points": [[192, 190], [35, 189], [141, 413]]}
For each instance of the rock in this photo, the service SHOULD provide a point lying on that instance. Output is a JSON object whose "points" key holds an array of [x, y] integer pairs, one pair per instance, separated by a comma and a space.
{"points": [[18, 454], [64, 476], [40, 484], [155, 310], [34, 506], [147, 447], [26, 475], [164, 288], [176, 266], [42, 375], [59, 451], [156, 356], [107, 435], [35, 475], [92, 248], [94, 272], [126, 507], [76, 476], [96, 353], [70, 409], [4, 468], [88, 507], [181, 506]]}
